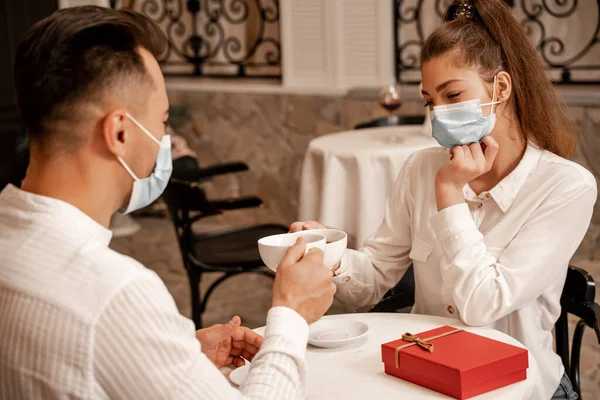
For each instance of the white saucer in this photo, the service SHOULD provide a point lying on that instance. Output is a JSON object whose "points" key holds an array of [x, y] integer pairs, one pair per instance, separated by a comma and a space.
{"points": [[239, 375], [334, 333]]}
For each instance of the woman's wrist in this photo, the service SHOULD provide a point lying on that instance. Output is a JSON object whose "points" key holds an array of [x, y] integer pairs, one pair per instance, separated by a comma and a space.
{"points": [[448, 194]]}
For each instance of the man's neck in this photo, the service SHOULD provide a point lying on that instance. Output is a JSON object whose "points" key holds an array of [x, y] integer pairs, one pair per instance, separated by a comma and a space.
{"points": [[70, 181]]}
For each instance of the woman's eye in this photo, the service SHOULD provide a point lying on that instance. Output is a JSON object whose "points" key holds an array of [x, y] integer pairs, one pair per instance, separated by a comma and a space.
{"points": [[429, 104], [453, 95]]}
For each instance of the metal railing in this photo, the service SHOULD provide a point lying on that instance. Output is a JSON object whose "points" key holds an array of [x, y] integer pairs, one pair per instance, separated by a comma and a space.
{"points": [[566, 34], [217, 38]]}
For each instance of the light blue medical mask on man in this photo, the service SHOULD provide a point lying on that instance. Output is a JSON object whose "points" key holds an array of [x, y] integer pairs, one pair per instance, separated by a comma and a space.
{"points": [[462, 123], [146, 190]]}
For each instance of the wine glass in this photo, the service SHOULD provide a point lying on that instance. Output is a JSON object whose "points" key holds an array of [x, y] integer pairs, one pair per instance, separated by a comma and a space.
{"points": [[390, 98]]}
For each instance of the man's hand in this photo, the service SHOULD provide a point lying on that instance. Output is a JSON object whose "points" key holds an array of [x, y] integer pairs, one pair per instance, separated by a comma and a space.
{"points": [[303, 283], [230, 343], [306, 226]]}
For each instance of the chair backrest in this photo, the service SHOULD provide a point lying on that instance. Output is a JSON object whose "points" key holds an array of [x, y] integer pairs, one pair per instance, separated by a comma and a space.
{"points": [[394, 120], [401, 296], [579, 287], [578, 298], [183, 195], [182, 199], [184, 168]]}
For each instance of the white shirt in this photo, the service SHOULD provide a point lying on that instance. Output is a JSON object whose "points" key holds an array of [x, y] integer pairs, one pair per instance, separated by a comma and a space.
{"points": [[498, 260], [79, 320]]}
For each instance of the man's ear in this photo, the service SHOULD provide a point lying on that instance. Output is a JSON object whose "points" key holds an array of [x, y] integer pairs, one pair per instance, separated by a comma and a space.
{"points": [[114, 133]]}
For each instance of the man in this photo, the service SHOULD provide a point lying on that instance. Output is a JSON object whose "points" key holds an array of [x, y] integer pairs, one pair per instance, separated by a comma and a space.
{"points": [[77, 319]]}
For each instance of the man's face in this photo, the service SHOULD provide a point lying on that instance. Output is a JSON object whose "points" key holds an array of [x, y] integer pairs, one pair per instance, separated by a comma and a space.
{"points": [[153, 115]]}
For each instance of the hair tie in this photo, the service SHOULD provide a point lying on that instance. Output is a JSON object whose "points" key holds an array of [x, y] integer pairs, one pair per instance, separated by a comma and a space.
{"points": [[464, 10]]}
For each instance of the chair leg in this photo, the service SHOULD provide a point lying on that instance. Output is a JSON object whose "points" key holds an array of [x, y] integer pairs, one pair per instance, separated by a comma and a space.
{"points": [[575, 352], [226, 276], [562, 339], [197, 306], [268, 274], [216, 283]]}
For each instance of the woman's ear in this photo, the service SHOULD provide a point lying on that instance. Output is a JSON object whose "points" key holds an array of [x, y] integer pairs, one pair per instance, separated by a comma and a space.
{"points": [[503, 86]]}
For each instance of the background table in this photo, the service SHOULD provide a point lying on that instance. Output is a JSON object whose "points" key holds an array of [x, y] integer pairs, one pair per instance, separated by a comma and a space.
{"points": [[347, 177], [357, 372]]}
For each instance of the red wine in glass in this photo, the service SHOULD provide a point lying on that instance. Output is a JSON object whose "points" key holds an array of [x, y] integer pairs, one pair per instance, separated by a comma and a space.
{"points": [[389, 98], [391, 105]]}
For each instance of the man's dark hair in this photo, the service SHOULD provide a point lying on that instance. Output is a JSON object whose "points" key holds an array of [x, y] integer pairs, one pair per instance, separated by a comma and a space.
{"points": [[76, 55]]}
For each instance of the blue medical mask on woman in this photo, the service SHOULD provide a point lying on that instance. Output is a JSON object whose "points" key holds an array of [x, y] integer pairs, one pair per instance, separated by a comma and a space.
{"points": [[462, 123], [146, 190]]}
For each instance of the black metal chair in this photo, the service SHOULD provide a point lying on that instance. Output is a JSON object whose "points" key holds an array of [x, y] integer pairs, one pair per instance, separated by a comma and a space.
{"points": [[400, 297], [577, 298], [407, 283], [393, 121], [230, 252], [187, 169]]}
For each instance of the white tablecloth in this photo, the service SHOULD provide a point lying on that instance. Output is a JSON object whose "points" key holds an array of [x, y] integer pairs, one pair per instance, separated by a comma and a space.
{"points": [[358, 373], [347, 177]]}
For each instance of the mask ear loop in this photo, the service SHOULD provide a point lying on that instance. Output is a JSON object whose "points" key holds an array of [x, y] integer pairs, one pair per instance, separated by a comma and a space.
{"points": [[494, 95], [129, 171], [143, 129]]}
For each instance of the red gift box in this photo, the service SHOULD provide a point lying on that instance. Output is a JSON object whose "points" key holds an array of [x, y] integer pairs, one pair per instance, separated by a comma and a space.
{"points": [[460, 364]]}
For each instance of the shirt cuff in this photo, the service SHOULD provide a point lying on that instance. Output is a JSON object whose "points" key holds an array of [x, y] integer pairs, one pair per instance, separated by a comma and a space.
{"points": [[344, 270], [283, 321], [454, 228]]}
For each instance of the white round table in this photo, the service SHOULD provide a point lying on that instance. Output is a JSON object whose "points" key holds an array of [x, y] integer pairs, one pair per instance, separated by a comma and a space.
{"points": [[357, 372], [347, 177]]}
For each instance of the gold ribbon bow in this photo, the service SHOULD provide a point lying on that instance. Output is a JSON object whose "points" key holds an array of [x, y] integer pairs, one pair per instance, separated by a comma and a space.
{"points": [[422, 343], [409, 337]]}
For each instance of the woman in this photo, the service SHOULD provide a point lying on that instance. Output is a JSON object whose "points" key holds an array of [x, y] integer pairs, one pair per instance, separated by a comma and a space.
{"points": [[491, 224]]}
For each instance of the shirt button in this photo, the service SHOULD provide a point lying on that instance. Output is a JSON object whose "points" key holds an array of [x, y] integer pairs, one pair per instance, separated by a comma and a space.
{"points": [[487, 195], [346, 279], [450, 309], [479, 205]]}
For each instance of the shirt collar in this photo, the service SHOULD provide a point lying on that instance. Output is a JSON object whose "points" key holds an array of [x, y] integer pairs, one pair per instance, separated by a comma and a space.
{"points": [[64, 213], [505, 192]]}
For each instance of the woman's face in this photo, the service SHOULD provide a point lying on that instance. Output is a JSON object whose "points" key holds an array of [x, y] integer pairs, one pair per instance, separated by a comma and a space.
{"points": [[446, 83]]}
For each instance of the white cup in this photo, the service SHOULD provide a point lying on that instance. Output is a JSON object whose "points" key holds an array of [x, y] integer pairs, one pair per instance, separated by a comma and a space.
{"points": [[272, 249], [336, 244]]}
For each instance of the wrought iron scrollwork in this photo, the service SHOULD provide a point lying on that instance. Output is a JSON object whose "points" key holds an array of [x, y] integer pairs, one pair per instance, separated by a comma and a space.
{"points": [[567, 59], [409, 19], [576, 56], [238, 38]]}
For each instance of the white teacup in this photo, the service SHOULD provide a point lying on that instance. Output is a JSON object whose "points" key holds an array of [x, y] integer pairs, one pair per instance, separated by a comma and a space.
{"points": [[272, 249], [336, 243]]}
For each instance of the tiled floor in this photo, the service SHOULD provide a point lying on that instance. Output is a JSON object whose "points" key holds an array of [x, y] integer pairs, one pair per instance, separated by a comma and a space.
{"points": [[249, 296]]}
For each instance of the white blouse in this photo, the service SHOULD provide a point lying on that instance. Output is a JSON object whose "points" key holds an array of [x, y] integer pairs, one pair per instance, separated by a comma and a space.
{"points": [[498, 260]]}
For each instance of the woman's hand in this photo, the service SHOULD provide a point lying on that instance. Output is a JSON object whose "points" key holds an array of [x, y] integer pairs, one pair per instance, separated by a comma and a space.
{"points": [[466, 164], [305, 226]]}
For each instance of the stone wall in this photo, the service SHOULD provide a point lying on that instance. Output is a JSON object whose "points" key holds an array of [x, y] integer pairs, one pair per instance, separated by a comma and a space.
{"points": [[271, 133]]}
